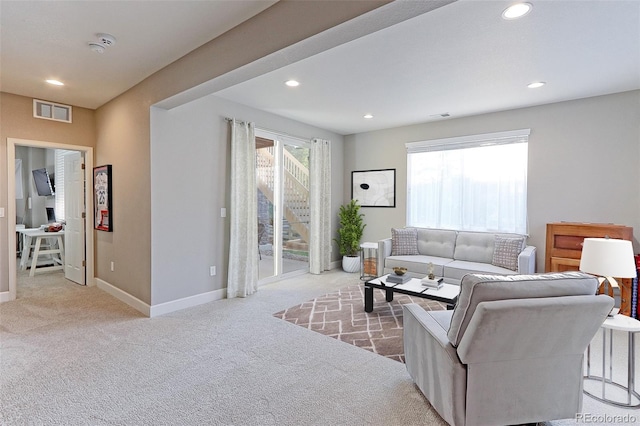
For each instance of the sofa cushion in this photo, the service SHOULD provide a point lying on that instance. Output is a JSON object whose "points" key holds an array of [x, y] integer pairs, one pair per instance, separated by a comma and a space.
{"points": [[436, 242], [474, 247], [417, 264], [404, 241], [506, 251], [477, 288], [457, 269]]}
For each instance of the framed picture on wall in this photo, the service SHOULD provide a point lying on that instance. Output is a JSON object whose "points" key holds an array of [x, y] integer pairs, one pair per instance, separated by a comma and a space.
{"points": [[102, 199], [374, 188]]}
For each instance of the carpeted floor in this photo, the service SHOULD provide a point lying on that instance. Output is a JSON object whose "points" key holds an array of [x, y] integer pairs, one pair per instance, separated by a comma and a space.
{"points": [[73, 355], [340, 314]]}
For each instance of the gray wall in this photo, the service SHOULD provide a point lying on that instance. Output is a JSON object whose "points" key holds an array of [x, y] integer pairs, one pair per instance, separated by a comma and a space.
{"points": [[189, 186], [34, 158], [584, 162]]}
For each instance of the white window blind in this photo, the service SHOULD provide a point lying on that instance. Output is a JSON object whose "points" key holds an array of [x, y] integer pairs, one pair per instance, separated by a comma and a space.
{"points": [[476, 183], [59, 182]]}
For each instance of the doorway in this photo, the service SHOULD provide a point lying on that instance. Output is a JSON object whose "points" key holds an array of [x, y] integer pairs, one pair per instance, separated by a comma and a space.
{"points": [[282, 173], [87, 229]]}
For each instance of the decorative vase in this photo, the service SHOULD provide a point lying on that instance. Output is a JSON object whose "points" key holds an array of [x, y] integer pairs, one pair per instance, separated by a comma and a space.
{"points": [[351, 263]]}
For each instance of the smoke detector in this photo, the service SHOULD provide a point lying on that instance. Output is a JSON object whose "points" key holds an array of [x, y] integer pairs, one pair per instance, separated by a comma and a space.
{"points": [[96, 47], [106, 39]]}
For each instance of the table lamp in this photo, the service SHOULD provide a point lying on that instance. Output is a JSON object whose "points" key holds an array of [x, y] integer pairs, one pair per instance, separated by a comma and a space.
{"points": [[608, 258]]}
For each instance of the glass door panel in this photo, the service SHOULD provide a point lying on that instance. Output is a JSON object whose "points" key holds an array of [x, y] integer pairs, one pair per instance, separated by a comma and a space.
{"points": [[295, 208], [282, 174], [266, 184]]}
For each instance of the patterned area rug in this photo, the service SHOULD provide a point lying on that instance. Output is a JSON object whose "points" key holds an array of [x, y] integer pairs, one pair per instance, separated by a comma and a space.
{"points": [[341, 315]]}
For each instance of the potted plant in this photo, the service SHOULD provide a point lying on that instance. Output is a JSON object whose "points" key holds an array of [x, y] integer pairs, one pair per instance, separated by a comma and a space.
{"points": [[349, 235]]}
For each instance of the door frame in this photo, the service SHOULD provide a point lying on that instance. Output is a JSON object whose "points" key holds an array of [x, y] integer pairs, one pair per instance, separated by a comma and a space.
{"points": [[11, 205]]}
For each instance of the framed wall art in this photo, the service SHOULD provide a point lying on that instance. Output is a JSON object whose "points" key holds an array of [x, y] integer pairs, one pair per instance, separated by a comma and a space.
{"points": [[374, 188], [102, 199]]}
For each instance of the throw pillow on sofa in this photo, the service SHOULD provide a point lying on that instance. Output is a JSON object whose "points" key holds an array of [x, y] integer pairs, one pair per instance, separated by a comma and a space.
{"points": [[404, 242], [506, 251]]}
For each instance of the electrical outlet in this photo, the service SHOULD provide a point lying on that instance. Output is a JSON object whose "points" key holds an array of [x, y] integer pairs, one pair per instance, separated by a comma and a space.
{"points": [[1, 211], [212, 271], [113, 266], [223, 212]]}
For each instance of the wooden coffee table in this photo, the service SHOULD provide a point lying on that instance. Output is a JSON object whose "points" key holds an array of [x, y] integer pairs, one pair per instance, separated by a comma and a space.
{"points": [[448, 293]]}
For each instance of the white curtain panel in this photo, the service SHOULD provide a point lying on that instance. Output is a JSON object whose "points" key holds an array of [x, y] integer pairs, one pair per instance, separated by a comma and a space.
{"points": [[243, 249], [320, 193]]}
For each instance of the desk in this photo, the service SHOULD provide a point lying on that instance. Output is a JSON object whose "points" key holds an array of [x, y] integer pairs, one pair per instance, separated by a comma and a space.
{"points": [[33, 239], [631, 326]]}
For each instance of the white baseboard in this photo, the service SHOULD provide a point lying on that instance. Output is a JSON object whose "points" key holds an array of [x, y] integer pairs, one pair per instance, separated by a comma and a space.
{"points": [[187, 302], [5, 296], [336, 264], [161, 308], [125, 297]]}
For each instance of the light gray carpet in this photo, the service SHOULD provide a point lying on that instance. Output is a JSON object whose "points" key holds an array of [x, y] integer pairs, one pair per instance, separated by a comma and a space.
{"points": [[72, 355]]}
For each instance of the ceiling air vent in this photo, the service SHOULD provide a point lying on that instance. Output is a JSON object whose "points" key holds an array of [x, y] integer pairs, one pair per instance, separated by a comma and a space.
{"points": [[51, 111]]}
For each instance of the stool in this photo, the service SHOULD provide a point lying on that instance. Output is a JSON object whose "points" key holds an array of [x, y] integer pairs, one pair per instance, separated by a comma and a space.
{"points": [[631, 326]]}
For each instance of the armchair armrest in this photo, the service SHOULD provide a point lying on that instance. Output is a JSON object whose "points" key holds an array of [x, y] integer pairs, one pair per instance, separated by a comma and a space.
{"points": [[433, 363], [527, 261], [384, 250]]}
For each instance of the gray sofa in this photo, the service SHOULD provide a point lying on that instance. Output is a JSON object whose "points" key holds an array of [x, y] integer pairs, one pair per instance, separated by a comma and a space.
{"points": [[511, 352], [454, 254]]}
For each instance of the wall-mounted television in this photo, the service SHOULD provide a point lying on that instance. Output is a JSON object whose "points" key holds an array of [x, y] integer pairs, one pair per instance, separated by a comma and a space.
{"points": [[42, 181]]}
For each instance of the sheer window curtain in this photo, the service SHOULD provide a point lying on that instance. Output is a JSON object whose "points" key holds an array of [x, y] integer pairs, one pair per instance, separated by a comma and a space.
{"points": [[472, 183], [243, 253], [320, 193]]}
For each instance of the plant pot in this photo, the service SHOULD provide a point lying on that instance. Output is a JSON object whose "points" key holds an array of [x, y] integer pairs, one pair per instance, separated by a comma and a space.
{"points": [[351, 263]]}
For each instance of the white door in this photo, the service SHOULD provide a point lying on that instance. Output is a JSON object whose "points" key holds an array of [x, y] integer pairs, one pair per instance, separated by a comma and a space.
{"points": [[74, 243]]}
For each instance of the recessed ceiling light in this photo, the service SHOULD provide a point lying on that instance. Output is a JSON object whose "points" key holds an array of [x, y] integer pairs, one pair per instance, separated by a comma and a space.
{"points": [[516, 11], [368, 116], [292, 83], [536, 84], [55, 82]]}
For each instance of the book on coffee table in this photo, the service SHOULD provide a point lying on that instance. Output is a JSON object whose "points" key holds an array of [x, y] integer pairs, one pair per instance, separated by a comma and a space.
{"points": [[400, 279], [434, 283]]}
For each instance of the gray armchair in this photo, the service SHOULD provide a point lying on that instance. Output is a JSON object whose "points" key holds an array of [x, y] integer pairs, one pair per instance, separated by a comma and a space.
{"points": [[510, 352]]}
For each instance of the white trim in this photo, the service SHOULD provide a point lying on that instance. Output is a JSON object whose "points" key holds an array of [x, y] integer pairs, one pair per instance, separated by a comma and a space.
{"points": [[187, 302], [124, 297], [11, 206], [161, 308], [5, 296], [466, 141]]}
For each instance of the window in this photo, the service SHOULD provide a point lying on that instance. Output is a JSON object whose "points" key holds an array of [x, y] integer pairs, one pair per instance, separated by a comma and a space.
{"points": [[473, 183], [51, 111]]}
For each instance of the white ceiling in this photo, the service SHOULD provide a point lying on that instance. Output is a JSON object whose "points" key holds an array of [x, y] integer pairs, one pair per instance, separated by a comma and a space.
{"points": [[49, 39], [461, 59]]}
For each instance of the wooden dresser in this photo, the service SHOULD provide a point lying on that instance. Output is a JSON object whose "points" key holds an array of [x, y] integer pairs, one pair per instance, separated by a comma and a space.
{"points": [[564, 248]]}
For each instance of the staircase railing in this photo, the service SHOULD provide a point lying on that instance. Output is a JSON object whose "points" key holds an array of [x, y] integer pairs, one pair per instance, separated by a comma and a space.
{"points": [[295, 188]]}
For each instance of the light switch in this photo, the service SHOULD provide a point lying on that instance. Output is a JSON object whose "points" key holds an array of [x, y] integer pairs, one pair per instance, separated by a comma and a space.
{"points": [[1, 211], [223, 212]]}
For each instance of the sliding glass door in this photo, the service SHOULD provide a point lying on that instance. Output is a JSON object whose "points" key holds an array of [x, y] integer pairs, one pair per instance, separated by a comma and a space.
{"points": [[282, 165]]}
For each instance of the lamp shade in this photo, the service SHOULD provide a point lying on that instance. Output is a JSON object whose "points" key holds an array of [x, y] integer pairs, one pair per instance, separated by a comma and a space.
{"points": [[608, 257]]}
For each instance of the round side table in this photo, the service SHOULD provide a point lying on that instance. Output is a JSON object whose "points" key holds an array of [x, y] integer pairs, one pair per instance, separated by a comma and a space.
{"points": [[631, 326]]}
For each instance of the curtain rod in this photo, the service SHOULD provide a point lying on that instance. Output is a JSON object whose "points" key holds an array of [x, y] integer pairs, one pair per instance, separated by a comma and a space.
{"points": [[277, 132], [239, 121]]}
